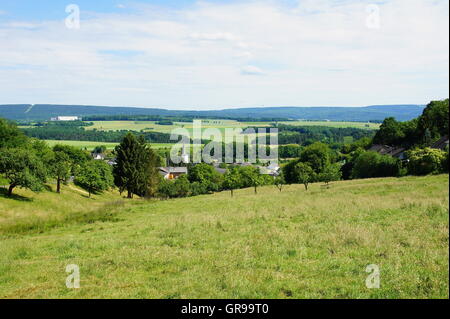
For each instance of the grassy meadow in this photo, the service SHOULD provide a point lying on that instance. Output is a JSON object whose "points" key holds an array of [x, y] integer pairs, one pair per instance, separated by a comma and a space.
{"points": [[289, 244], [361, 125], [219, 124]]}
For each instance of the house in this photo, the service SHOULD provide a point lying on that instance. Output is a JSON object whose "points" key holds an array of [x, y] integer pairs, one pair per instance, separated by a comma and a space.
{"points": [[397, 152], [98, 156], [441, 144], [272, 170], [172, 172], [219, 170], [66, 118]]}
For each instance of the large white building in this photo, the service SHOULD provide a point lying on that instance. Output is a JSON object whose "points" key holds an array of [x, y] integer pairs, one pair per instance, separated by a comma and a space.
{"points": [[66, 118]]}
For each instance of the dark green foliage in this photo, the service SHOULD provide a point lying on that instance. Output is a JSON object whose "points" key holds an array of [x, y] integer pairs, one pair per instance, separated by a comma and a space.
{"points": [[22, 168], [136, 167], [60, 167], [428, 127], [99, 149], [304, 173], [372, 164], [10, 135], [178, 188], [232, 180], [80, 134], [305, 135], [330, 173], [95, 177], [76, 156], [435, 119], [318, 156], [289, 151], [207, 176], [250, 177]]}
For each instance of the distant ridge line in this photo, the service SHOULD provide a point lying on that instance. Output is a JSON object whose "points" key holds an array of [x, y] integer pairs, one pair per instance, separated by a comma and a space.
{"points": [[401, 112]]}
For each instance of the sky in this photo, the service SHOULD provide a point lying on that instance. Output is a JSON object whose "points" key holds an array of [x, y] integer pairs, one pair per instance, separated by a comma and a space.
{"points": [[215, 54]]}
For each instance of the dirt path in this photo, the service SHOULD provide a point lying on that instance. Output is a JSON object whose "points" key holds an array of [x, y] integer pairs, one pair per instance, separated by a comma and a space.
{"points": [[78, 190]]}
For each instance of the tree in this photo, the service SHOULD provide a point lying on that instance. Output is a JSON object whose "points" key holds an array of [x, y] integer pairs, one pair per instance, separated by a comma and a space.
{"points": [[76, 156], [182, 186], [135, 170], [99, 149], [390, 132], [317, 155], [435, 118], [206, 175], [10, 135], [166, 189], [95, 177], [22, 168], [232, 180], [250, 177], [426, 161], [280, 181], [331, 173], [305, 174], [288, 170], [60, 167], [371, 164]]}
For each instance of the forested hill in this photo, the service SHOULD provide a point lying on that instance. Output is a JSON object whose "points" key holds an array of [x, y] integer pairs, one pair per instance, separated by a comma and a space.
{"points": [[362, 114]]}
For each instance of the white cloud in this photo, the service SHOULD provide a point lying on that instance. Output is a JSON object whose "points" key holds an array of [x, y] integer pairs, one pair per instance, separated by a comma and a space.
{"points": [[251, 70], [201, 56]]}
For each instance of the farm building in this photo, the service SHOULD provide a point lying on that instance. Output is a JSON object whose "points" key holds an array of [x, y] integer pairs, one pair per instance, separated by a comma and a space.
{"points": [[397, 152], [98, 156], [172, 172], [441, 144], [66, 118]]}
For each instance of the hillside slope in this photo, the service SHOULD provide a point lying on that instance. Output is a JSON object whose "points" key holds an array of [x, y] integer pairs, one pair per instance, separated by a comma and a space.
{"points": [[293, 244]]}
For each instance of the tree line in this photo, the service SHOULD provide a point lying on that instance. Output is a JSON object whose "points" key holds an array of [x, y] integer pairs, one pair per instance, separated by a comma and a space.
{"points": [[305, 135], [75, 133]]}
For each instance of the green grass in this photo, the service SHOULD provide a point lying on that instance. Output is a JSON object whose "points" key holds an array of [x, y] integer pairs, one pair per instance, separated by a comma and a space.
{"points": [[91, 145], [362, 125], [220, 124], [293, 244]]}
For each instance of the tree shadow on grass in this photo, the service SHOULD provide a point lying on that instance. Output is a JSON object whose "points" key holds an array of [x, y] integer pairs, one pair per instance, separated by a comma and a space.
{"points": [[4, 193]]}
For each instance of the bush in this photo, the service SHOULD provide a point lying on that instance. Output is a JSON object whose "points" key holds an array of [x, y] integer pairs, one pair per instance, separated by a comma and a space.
{"points": [[95, 177], [427, 161], [371, 165]]}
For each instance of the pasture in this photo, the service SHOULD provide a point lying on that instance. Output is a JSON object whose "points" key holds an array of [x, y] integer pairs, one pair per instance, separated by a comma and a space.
{"points": [[219, 124], [289, 244]]}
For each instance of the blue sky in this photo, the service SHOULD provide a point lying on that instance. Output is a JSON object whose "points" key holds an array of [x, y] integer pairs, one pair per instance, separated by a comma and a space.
{"points": [[188, 54]]}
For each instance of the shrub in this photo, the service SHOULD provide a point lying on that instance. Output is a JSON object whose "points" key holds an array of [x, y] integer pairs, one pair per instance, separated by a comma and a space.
{"points": [[426, 161], [371, 165]]}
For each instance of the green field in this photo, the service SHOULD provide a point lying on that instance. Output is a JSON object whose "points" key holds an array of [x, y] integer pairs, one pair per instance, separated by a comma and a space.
{"points": [[293, 244], [91, 145], [220, 124], [362, 125]]}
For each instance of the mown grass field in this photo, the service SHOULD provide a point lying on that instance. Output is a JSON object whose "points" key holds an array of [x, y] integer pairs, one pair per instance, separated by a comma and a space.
{"points": [[293, 244], [361, 125], [219, 124]]}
